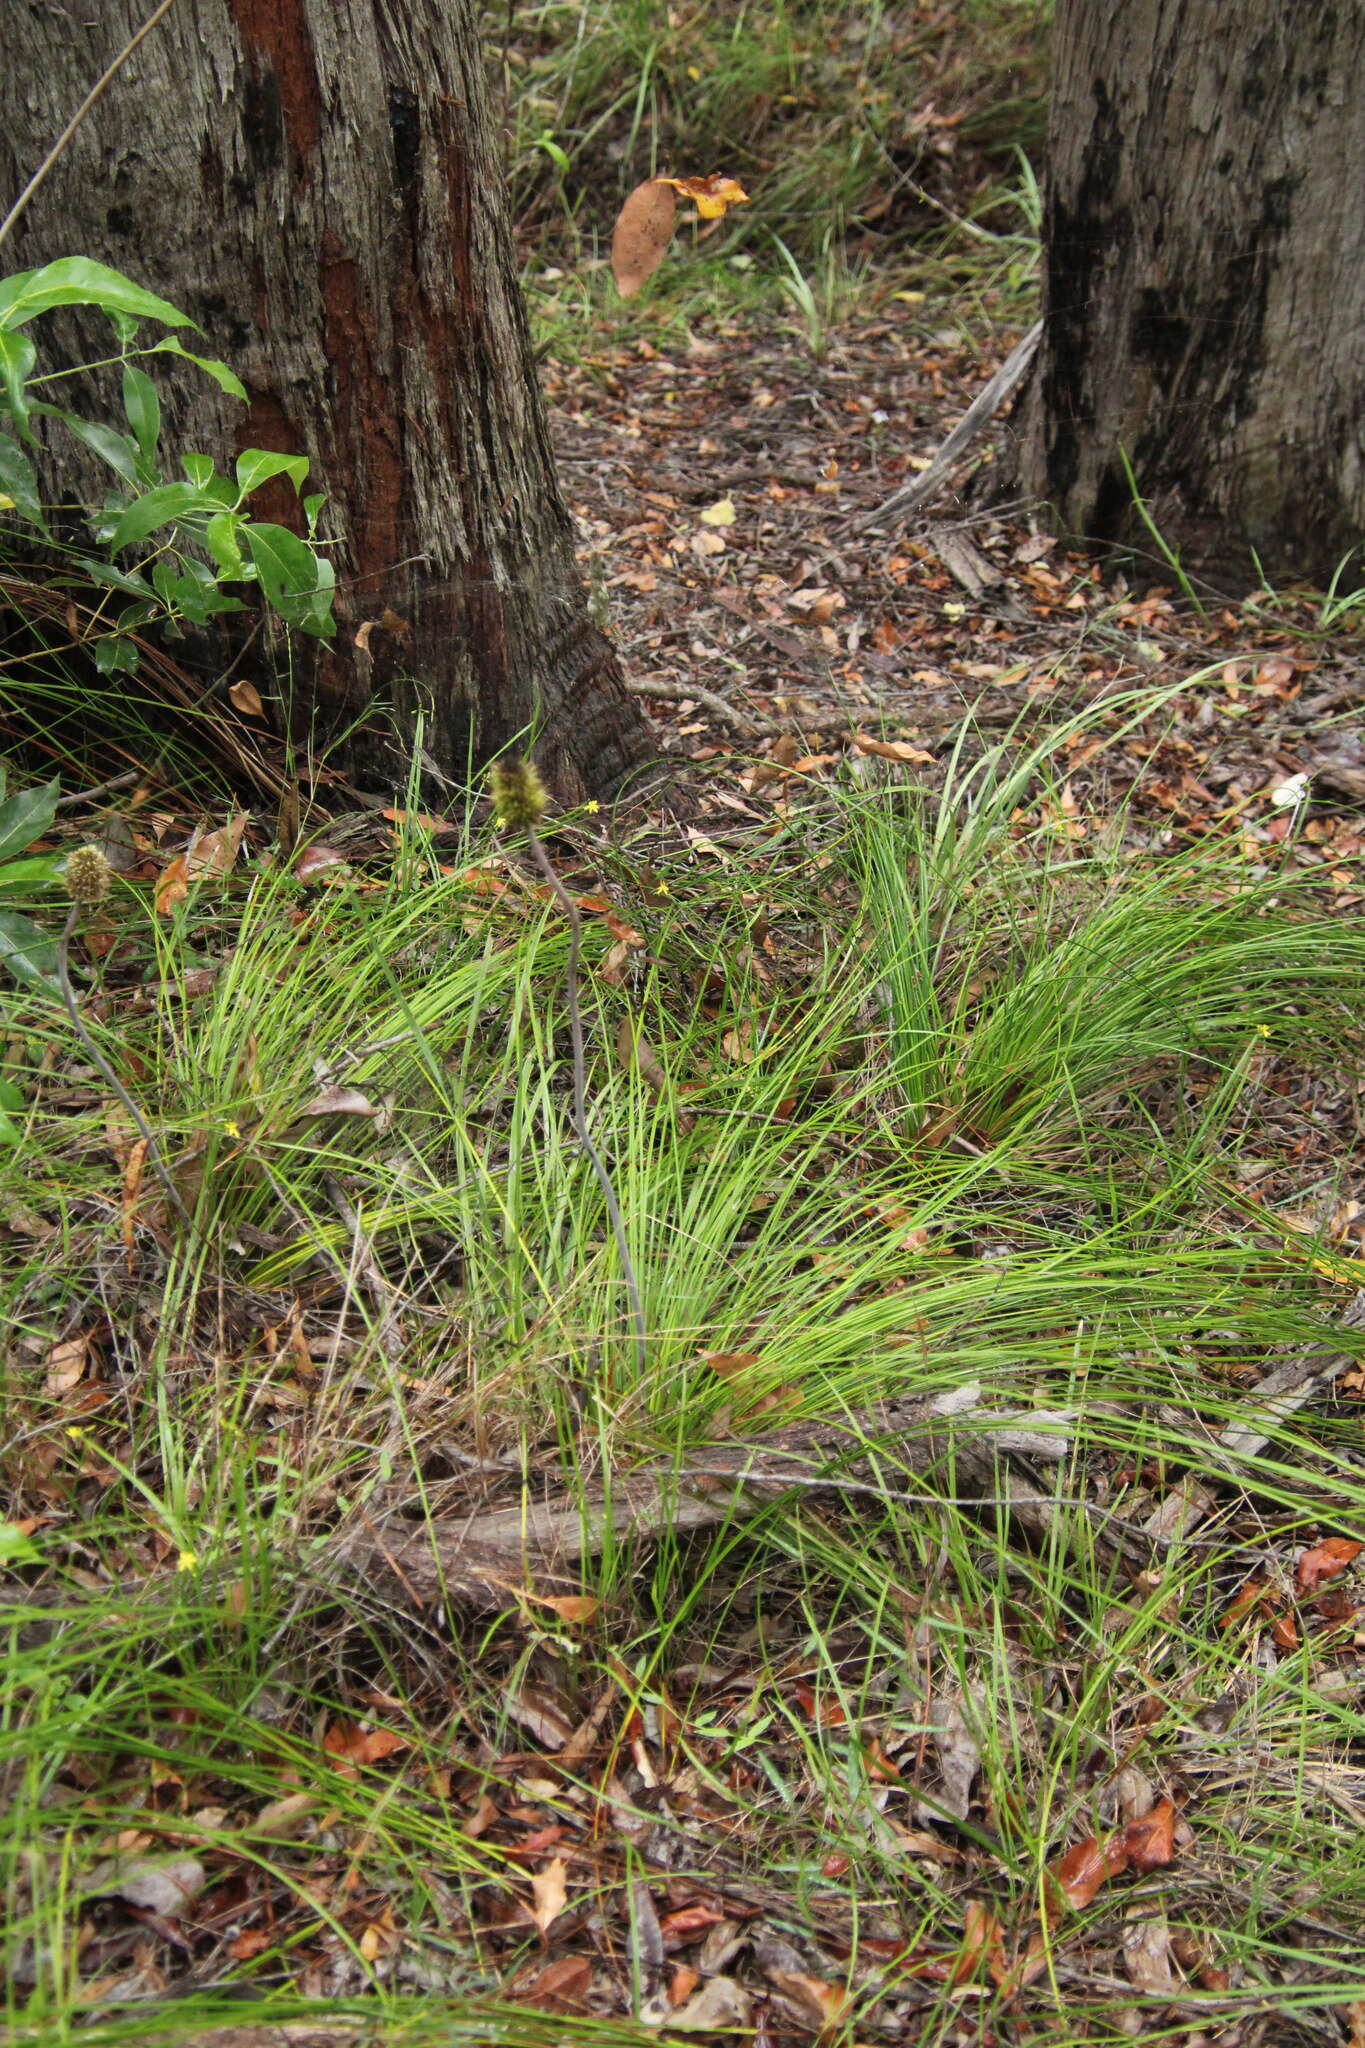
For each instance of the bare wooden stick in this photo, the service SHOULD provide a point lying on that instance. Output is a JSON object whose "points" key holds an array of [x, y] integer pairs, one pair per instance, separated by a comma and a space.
{"points": [[7, 225], [931, 481]]}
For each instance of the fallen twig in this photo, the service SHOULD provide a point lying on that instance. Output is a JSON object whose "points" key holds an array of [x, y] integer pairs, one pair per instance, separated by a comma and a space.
{"points": [[931, 481]]}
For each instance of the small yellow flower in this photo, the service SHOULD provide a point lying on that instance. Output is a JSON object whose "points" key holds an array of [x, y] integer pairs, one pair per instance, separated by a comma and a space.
{"points": [[662, 889], [592, 807], [231, 1128], [75, 1432], [188, 1561], [1263, 1031]]}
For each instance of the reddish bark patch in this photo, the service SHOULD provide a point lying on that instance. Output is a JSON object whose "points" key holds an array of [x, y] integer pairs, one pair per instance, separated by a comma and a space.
{"points": [[365, 458], [279, 50]]}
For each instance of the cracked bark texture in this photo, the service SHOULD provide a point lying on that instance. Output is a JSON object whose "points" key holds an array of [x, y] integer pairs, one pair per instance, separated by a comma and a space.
{"points": [[317, 183], [1204, 284]]}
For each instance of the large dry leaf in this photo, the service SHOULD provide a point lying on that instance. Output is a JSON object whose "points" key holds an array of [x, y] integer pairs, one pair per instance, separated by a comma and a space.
{"points": [[644, 228]]}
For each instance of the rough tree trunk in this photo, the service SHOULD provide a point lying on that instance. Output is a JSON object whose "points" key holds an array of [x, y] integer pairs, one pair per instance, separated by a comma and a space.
{"points": [[1204, 287], [317, 183]]}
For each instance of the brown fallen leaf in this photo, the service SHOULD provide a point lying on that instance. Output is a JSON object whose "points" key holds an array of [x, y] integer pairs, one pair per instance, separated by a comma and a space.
{"points": [[720, 2007], [1147, 1954], [824, 2004], [66, 1364], [562, 1986], [889, 750], [316, 860], [983, 1941], [644, 228], [247, 698], [340, 1102]]}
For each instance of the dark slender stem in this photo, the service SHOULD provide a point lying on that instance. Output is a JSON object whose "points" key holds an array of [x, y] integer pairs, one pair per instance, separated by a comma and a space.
{"points": [[579, 1111], [81, 1029]]}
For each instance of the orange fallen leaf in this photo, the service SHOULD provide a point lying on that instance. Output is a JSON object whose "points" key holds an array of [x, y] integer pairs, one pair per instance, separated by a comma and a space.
{"points": [[1075, 1877], [132, 1188], [732, 1364], [711, 195], [982, 1942], [173, 886], [1149, 1841], [356, 1745], [1324, 1561]]}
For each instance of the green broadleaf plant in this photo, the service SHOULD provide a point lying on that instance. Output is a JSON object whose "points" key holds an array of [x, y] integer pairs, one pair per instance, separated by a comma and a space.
{"points": [[200, 530]]}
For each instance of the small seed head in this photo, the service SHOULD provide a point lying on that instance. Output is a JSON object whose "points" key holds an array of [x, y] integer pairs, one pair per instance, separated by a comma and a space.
{"points": [[520, 797], [87, 875]]}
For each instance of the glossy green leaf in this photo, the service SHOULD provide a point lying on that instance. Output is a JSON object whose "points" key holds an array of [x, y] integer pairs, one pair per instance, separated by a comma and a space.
{"points": [[256, 466], [143, 407], [158, 507], [221, 538], [222, 376], [26, 815], [106, 574], [19, 484], [17, 357], [115, 656], [28, 951], [77, 281], [288, 572], [118, 450], [39, 871]]}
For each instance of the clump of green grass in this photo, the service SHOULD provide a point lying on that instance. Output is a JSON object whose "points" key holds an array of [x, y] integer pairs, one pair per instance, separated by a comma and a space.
{"points": [[969, 1114]]}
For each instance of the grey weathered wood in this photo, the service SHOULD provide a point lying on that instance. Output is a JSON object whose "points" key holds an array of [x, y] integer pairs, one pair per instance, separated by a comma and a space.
{"points": [[317, 182], [1204, 283]]}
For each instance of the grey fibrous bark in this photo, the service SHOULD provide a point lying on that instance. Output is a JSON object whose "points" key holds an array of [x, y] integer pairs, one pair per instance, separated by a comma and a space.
{"points": [[1204, 284], [317, 183]]}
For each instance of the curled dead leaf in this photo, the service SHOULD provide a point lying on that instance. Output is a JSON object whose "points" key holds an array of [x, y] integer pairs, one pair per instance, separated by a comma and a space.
{"points": [[889, 750], [711, 195], [247, 698], [340, 1102]]}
